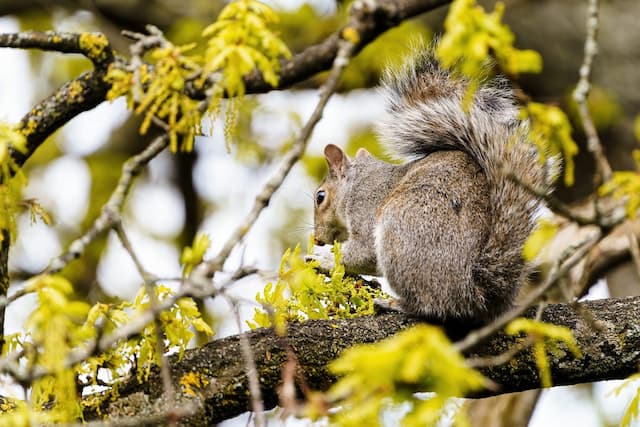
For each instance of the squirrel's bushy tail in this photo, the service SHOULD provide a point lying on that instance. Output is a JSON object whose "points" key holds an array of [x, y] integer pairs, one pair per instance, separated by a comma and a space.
{"points": [[426, 113]]}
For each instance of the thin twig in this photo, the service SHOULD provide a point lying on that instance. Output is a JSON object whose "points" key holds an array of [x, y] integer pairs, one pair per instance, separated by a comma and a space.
{"points": [[144, 43], [209, 268], [262, 200], [6, 300], [148, 278], [287, 394], [257, 405], [153, 303], [501, 359], [581, 93], [554, 204]]}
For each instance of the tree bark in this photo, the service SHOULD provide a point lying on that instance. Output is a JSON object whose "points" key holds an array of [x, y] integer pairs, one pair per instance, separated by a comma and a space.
{"points": [[607, 332]]}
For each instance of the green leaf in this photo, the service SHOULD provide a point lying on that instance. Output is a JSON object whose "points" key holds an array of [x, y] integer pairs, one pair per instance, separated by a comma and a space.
{"points": [[632, 411], [161, 90], [302, 293], [551, 133], [240, 42], [625, 185], [545, 336], [471, 34], [194, 254], [373, 376], [539, 239]]}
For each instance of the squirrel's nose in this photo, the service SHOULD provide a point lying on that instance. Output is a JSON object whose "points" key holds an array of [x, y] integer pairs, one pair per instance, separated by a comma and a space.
{"points": [[317, 242]]}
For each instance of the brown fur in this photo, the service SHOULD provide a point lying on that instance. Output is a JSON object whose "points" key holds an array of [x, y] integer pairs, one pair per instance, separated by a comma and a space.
{"points": [[446, 228]]}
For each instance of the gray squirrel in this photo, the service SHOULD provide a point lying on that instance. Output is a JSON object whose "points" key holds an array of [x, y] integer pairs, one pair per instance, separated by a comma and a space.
{"points": [[446, 228]]}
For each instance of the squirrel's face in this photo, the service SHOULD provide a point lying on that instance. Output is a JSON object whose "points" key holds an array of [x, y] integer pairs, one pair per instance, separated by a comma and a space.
{"points": [[329, 223], [328, 227]]}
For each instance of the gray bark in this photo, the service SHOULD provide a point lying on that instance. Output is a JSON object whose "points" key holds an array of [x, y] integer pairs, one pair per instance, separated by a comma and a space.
{"points": [[607, 332]]}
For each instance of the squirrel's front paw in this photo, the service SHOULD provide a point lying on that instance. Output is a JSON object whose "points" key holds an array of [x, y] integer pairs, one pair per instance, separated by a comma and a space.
{"points": [[325, 262]]}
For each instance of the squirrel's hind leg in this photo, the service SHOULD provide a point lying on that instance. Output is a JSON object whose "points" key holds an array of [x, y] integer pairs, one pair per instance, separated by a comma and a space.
{"points": [[429, 233]]}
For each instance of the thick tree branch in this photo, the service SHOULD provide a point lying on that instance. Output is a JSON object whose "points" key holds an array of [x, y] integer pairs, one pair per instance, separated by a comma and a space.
{"points": [[610, 352], [77, 96], [94, 46], [80, 94]]}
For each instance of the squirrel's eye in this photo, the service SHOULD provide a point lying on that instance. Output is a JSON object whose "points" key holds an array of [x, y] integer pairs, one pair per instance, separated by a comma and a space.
{"points": [[320, 195]]}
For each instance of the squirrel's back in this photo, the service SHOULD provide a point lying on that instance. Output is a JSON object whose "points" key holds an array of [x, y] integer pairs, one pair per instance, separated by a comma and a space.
{"points": [[428, 112]]}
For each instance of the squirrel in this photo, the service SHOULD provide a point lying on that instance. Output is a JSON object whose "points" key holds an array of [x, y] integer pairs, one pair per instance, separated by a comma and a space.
{"points": [[446, 227]]}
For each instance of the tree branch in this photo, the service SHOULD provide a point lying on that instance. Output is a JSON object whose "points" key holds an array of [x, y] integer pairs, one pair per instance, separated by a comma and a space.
{"points": [[611, 352], [581, 93], [77, 96], [94, 46], [74, 97]]}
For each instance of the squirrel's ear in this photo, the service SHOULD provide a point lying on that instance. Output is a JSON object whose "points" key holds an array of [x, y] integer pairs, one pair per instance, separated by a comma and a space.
{"points": [[362, 152], [336, 159]]}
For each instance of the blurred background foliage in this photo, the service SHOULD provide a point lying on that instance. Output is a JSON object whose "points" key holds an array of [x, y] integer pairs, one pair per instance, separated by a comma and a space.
{"points": [[211, 183], [298, 27], [555, 30]]}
